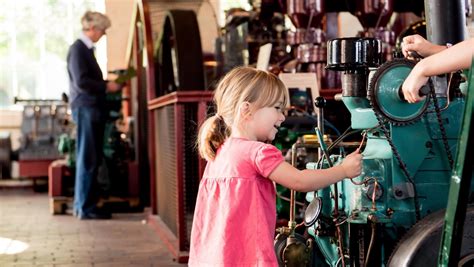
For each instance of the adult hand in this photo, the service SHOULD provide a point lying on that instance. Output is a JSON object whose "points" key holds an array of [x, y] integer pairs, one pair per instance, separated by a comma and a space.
{"points": [[352, 164], [418, 44], [113, 87], [412, 84]]}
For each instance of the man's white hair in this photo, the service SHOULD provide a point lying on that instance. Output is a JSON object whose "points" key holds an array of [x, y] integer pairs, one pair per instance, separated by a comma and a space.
{"points": [[95, 19]]}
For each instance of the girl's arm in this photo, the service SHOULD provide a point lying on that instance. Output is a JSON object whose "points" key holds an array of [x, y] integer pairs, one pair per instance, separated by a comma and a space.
{"points": [[311, 180]]}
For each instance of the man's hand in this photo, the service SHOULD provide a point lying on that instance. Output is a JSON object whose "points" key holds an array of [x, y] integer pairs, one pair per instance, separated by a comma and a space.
{"points": [[113, 87]]}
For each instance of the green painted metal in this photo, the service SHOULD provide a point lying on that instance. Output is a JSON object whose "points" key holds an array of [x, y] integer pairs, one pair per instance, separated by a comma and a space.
{"points": [[362, 115], [460, 186], [377, 148], [388, 94], [67, 148], [420, 146], [326, 244]]}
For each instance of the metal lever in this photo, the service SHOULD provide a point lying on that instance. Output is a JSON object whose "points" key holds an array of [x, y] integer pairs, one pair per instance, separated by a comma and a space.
{"points": [[414, 55], [424, 91]]}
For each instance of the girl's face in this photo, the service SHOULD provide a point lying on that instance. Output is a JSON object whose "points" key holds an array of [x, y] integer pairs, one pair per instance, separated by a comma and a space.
{"points": [[264, 122]]}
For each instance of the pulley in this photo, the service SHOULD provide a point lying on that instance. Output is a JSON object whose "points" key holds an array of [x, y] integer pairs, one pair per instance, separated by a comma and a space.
{"points": [[385, 93], [180, 65], [420, 245]]}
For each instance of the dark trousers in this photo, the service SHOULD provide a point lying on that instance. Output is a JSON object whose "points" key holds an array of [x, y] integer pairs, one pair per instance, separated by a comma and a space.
{"points": [[89, 139]]}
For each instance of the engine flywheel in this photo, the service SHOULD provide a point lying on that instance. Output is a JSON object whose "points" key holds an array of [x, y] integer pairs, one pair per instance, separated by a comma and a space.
{"points": [[421, 244], [385, 97]]}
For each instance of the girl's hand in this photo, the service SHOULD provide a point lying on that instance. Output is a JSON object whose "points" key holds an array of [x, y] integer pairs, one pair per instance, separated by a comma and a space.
{"points": [[412, 84], [352, 164], [418, 44]]}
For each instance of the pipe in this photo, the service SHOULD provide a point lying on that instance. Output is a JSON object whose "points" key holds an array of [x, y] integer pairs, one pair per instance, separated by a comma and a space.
{"points": [[445, 21]]}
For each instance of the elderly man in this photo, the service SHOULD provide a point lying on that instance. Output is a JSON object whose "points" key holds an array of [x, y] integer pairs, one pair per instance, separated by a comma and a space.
{"points": [[87, 99]]}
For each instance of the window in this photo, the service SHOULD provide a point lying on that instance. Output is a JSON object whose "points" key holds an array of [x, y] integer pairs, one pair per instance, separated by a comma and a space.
{"points": [[225, 5], [34, 39]]}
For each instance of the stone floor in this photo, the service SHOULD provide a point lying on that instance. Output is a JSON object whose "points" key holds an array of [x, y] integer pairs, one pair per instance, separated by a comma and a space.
{"points": [[31, 236]]}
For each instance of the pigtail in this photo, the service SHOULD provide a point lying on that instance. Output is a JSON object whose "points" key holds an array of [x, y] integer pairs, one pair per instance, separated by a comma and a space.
{"points": [[212, 134]]}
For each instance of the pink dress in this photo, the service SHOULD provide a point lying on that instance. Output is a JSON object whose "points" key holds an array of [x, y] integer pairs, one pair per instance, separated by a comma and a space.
{"points": [[235, 215]]}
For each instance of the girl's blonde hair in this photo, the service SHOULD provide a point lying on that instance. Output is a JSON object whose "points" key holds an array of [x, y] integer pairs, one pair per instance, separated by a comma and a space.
{"points": [[242, 84]]}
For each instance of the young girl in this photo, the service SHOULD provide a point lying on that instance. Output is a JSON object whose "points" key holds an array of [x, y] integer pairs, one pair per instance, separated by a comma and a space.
{"points": [[235, 215]]}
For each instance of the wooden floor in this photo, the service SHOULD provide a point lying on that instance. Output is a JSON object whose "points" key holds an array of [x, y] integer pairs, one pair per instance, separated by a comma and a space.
{"points": [[31, 236]]}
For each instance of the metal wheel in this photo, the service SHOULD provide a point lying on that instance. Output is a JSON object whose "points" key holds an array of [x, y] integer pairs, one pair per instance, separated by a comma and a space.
{"points": [[384, 93], [420, 245], [180, 60]]}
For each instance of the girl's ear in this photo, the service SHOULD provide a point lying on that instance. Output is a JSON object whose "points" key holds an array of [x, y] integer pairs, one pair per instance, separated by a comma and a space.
{"points": [[245, 109]]}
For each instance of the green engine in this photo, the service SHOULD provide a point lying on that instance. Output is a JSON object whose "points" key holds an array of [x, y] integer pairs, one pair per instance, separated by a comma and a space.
{"points": [[408, 155]]}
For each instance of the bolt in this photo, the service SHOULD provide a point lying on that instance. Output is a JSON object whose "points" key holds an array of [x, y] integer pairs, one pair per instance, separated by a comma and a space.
{"points": [[389, 212], [398, 192]]}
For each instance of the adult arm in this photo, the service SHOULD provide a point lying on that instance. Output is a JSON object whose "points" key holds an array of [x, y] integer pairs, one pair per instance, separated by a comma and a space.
{"points": [[454, 58], [416, 43]]}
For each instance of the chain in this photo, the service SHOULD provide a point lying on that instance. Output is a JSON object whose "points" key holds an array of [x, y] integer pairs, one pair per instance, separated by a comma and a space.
{"points": [[444, 136], [402, 164]]}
